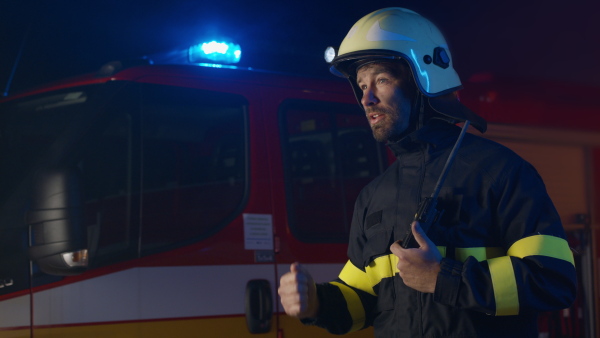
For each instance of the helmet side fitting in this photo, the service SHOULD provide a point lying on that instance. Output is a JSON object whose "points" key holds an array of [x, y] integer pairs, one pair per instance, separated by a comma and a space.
{"points": [[400, 34]]}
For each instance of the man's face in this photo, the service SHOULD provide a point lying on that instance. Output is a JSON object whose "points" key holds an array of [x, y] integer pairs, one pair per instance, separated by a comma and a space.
{"points": [[385, 100]]}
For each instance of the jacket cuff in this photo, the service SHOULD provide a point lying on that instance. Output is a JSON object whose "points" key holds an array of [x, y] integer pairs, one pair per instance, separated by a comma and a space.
{"points": [[321, 318], [448, 282], [331, 314]]}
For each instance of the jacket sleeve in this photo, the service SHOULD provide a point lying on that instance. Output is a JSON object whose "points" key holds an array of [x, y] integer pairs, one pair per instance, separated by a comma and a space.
{"points": [[345, 304], [536, 270]]}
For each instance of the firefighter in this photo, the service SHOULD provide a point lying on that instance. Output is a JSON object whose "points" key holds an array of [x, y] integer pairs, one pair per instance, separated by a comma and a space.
{"points": [[495, 257]]}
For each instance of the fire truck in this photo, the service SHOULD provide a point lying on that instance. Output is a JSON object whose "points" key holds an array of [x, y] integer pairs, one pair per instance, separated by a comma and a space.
{"points": [[153, 200]]}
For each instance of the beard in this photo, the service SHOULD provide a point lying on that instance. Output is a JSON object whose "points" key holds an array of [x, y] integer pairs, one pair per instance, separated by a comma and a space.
{"points": [[389, 127]]}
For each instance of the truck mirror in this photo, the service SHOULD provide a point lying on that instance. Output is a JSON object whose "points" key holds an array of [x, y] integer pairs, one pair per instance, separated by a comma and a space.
{"points": [[57, 235]]}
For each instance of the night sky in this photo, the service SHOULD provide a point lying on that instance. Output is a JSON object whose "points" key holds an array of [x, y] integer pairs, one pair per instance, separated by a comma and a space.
{"points": [[548, 40]]}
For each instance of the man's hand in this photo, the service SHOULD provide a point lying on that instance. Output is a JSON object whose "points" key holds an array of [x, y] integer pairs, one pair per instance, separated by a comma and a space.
{"points": [[418, 267], [298, 293]]}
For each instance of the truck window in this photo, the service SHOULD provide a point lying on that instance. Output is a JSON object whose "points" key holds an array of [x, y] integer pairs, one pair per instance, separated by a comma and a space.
{"points": [[194, 164], [329, 156]]}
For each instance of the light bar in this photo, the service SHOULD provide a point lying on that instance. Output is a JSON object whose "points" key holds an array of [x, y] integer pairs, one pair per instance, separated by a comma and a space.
{"points": [[215, 51]]}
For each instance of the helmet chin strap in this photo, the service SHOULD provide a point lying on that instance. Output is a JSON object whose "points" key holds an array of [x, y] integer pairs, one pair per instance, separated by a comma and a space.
{"points": [[417, 118], [421, 102]]}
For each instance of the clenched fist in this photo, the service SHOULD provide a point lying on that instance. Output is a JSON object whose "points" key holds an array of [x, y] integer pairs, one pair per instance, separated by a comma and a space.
{"points": [[298, 293]]}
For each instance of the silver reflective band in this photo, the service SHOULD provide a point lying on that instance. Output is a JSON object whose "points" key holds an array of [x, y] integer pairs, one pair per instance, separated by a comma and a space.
{"points": [[330, 53]]}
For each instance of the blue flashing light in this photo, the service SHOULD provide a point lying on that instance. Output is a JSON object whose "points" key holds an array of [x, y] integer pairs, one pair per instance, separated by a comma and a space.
{"points": [[216, 65], [218, 52]]}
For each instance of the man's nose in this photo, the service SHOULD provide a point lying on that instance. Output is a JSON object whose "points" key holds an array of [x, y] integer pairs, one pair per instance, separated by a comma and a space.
{"points": [[369, 98]]}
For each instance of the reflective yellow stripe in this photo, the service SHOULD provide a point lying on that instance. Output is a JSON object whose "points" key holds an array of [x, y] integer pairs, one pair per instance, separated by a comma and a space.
{"points": [[355, 307], [479, 253], [442, 250], [382, 267], [501, 269], [503, 275], [542, 245], [356, 278], [387, 266], [505, 286]]}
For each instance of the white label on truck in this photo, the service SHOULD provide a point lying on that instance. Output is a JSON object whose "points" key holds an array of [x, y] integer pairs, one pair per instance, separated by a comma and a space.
{"points": [[258, 232]]}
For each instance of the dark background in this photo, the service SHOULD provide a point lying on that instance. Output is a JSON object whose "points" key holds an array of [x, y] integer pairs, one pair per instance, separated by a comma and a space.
{"points": [[547, 40]]}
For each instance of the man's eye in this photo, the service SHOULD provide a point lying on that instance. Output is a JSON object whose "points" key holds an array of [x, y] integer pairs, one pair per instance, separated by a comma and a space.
{"points": [[383, 80]]}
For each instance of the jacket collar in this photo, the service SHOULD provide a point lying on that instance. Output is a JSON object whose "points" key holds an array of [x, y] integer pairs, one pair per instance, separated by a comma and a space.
{"points": [[434, 134]]}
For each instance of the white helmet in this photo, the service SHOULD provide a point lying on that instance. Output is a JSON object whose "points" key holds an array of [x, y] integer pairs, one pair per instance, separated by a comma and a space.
{"points": [[398, 33]]}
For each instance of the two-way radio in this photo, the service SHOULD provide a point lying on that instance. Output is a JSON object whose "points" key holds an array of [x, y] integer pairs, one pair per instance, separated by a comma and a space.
{"points": [[427, 213]]}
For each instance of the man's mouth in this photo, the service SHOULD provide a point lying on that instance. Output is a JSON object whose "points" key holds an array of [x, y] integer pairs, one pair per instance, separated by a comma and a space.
{"points": [[374, 118]]}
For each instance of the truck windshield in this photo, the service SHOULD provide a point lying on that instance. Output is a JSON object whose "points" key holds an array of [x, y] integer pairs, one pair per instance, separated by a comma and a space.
{"points": [[161, 166], [32, 131]]}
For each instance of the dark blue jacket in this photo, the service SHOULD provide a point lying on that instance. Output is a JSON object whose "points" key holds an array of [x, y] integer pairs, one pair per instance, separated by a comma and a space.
{"points": [[504, 248]]}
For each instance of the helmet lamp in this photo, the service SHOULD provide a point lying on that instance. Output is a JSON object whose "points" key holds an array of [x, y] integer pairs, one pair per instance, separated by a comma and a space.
{"points": [[330, 54]]}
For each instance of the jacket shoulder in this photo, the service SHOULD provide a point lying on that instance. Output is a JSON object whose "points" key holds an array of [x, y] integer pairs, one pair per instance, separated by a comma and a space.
{"points": [[492, 158]]}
